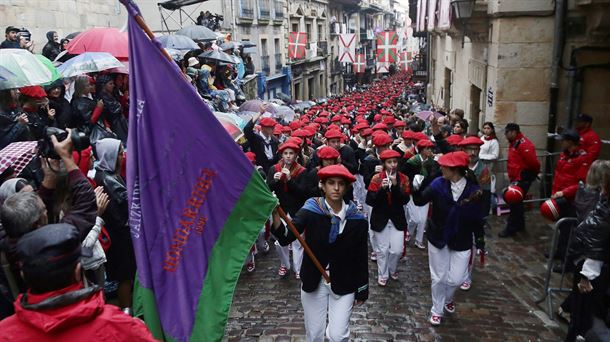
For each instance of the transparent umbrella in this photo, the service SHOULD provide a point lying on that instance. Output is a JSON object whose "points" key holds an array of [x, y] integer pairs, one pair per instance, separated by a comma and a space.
{"points": [[89, 62], [28, 69]]}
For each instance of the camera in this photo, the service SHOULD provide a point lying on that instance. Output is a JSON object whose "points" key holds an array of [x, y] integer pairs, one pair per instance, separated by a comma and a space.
{"points": [[80, 141]]}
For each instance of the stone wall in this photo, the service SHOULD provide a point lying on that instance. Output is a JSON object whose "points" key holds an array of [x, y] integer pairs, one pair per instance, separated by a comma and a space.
{"points": [[63, 16]]}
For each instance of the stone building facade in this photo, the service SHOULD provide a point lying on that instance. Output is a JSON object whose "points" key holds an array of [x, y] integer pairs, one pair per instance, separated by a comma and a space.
{"points": [[63, 16], [496, 62]]}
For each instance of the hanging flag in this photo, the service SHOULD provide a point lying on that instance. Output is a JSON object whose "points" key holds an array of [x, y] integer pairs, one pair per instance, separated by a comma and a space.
{"points": [[403, 62], [297, 42], [387, 46], [382, 67], [360, 64], [196, 203], [347, 47]]}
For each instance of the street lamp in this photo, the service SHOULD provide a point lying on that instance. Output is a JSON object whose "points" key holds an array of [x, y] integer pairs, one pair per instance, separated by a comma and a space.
{"points": [[462, 8]]}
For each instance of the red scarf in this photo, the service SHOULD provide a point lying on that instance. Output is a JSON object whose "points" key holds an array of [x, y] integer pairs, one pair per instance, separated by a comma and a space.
{"points": [[295, 170]]}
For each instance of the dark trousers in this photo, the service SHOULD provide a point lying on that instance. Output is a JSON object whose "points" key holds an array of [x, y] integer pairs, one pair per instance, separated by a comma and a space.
{"points": [[585, 306], [516, 219]]}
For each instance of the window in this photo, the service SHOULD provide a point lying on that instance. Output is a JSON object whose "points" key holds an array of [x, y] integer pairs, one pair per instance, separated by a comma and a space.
{"points": [[247, 10], [295, 27], [279, 9], [264, 11], [320, 33], [278, 54], [308, 27]]}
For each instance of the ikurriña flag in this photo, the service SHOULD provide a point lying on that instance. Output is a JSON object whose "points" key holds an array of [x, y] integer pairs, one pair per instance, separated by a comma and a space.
{"points": [[196, 203]]}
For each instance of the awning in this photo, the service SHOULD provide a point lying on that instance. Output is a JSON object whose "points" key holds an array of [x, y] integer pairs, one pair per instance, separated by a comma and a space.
{"points": [[177, 4]]}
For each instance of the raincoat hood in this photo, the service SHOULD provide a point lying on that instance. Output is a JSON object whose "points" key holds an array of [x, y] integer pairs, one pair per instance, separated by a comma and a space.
{"points": [[50, 36], [107, 153], [53, 311]]}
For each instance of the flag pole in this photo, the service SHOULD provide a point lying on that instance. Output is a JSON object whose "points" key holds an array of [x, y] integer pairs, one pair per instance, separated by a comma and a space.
{"points": [[147, 30], [308, 250]]}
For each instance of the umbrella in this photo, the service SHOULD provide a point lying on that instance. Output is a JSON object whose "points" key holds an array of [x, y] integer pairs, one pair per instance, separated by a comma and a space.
{"points": [[228, 46], [89, 62], [177, 42], [49, 65], [64, 56], [176, 55], [101, 39], [123, 69], [255, 107], [286, 113], [229, 125], [28, 69], [5, 74], [218, 56], [426, 115], [17, 155], [247, 44], [197, 33], [73, 35]]}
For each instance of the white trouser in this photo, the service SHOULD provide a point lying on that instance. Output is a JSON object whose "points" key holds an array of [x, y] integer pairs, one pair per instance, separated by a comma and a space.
{"points": [[297, 254], [417, 218], [259, 243], [359, 190], [368, 209], [284, 253], [390, 243], [317, 305], [447, 271]]}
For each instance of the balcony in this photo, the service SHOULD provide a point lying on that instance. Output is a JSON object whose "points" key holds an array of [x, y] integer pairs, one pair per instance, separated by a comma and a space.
{"points": [[265, 64], [322, 48], [264, 14], [278, 62]]}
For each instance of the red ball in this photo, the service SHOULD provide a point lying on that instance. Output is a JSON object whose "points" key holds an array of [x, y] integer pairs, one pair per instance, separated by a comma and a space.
{"points": [[550, 210], [513, 194]]}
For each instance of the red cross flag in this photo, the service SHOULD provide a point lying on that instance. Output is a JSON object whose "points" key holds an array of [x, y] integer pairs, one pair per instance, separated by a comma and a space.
{"points": [[387, 46], [382, 67], [297, 42], [347, 48], [403, 62], [360, 64]]}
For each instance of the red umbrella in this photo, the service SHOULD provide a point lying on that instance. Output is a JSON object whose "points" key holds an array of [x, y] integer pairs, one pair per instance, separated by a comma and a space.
{"points": [[101, 39]]}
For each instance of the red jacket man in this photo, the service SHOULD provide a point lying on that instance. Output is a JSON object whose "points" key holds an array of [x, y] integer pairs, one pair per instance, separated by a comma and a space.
{"points": [[56, 306], [571, 168], [521, 156], [589, 140]]}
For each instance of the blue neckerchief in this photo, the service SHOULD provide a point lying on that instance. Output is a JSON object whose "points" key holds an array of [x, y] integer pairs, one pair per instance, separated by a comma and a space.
{"points": [[317, 205], [452, 223]]}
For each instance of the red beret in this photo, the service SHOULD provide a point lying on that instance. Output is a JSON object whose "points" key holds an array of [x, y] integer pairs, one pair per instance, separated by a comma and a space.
{"points": [[389, 154], [286, 129], [327, 152], [471, 141], [420, 136], [380, 126], [337, 170], [320, 120], [277, 130], [251, 156], [377, 117], [366, 132], [346, 121], [423, 143], [33, 91], [294, 125], [267, 122], [289, 144], [454, 139], [333, 134], [300, 133], [408, 134], [454, 159], [382, 139], [324, 114], [400, 123], [361, 126], [390, 120], [336, 118], [295, 140]]}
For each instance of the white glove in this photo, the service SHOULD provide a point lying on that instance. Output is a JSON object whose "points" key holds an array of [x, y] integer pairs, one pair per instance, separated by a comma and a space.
{"points": [[417, 180]]}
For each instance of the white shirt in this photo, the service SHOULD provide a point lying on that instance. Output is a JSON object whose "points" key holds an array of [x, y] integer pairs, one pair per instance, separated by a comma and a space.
{"points": [[592, 268], [268, 150], [490, 150], [457, 188], [341, 214]]}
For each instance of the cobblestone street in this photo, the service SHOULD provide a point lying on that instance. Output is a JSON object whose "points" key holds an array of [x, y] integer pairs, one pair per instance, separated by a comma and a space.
{"points": [[499, 307]]}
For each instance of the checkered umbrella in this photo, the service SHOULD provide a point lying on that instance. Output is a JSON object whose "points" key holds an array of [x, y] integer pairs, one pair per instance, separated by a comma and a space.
{"points": [[17, 155]]}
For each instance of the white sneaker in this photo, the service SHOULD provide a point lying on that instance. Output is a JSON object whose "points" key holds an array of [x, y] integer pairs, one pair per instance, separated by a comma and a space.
{"points": [[420, 245], [373, 256], [465, 286], [435, 320], [450, 307]]}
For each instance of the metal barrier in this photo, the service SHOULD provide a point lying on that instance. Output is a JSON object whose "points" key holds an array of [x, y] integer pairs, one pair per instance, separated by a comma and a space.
{"points": [[540, 189], [548, 290]]}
